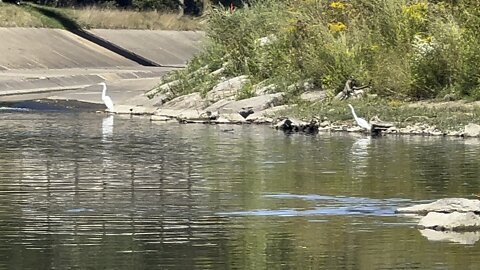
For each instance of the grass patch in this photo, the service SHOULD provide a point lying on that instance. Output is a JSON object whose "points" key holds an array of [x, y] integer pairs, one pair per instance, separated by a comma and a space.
{"points": [[25, 16], [445, 116], [93, 17], [31, 15]]}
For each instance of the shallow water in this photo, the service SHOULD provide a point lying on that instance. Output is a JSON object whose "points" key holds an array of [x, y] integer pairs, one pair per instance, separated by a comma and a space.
{"points": [[87, 191]]}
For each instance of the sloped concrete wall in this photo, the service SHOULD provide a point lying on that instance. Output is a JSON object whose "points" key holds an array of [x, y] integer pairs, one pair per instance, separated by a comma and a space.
{"points": [[34, 48], [165, 48]]}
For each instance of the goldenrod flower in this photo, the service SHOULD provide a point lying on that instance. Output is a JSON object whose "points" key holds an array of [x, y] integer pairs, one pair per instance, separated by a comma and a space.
{"points": [[337, 5], [336, 27], [416, 12]]}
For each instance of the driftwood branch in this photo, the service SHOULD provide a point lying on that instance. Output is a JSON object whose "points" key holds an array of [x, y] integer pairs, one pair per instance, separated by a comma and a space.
{"points": [[351, 90]]}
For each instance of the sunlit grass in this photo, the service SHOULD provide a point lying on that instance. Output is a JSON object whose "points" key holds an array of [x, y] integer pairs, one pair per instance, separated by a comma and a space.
{"points": [[445, 116], [24, 16], [93, 17]]}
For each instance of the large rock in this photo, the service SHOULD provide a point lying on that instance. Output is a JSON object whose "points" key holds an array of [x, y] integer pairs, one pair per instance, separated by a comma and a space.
{"points": [[447, 205], [226, 89], [260, 89], [191, 101], [472, 130], [450, 221], [313, 96], [165, 88], [259, 103]]}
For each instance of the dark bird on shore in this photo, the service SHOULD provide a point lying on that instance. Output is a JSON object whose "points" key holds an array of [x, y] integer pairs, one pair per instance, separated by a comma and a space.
{"points": [[245, 112], [360, 121]]}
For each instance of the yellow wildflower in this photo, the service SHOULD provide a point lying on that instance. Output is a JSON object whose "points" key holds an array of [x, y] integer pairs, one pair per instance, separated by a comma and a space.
{"points": [[416, 12], [336, 27], [337, 5]]}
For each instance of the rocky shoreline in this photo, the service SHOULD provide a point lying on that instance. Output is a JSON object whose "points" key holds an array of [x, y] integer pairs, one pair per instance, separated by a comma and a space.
{"points": [[219, 106]]}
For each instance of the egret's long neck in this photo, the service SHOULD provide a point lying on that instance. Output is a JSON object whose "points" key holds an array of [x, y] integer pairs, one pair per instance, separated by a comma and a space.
{"points": [[104, 91], [353, 112]]}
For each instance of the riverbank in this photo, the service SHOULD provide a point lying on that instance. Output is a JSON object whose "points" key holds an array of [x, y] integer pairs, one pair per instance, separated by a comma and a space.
{"points": [[313, 111]]}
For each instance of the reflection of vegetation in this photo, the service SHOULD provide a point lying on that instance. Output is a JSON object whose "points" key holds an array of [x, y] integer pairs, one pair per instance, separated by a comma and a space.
{"points": [[157, 201]]}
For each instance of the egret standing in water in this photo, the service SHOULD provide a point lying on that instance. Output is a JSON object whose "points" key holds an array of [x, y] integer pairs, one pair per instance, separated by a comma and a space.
{"points": [[360, 121], [106, 99]]}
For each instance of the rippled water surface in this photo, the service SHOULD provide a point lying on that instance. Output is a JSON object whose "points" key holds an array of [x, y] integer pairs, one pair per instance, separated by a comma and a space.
{"points": [[89, 191]]}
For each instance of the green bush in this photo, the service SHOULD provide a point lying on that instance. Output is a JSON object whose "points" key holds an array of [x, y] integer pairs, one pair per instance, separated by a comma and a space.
{"points": [[407, 49]]}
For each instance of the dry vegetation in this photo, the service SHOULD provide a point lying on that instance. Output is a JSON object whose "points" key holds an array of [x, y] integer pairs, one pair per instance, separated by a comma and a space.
{"points": [[93, 17], [123, 19], [15, 16]]}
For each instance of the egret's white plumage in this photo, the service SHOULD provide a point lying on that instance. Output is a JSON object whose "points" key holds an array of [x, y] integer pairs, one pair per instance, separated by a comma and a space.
{"points": [[106, 99], [360, 121]]}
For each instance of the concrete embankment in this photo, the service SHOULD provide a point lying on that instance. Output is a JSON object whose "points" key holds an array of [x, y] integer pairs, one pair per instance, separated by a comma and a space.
{"points": [[53, 63]]}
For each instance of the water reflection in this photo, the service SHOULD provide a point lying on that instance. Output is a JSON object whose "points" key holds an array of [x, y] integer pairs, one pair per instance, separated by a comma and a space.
{"points": [[88, 192], [359, 155], [107, 128], [466, 238]]}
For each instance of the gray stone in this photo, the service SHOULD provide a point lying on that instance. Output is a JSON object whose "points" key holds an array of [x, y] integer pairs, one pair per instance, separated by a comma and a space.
{"points": [[218, 71], [135, 110], [450, 221], [234, 118], [259, 89], [190, 101], [226, 89], [472, 130], [391, 130], [194, 116], [167, 112], [160, 118], [313, 96], [259, 103], [325, 124], [447, 205], [163, 89]]}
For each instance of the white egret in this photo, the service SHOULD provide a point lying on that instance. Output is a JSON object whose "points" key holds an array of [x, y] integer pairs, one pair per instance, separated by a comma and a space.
{"points": [[106, 99], [360, 121]]}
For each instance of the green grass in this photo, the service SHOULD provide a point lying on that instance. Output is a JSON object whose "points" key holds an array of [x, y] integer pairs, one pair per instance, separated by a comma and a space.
{"points": [[407, 50], [25, 16], [447, 116]]}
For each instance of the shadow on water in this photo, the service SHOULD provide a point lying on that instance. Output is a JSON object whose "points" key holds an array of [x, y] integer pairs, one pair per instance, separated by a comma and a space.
{"points": [[50, 105]]}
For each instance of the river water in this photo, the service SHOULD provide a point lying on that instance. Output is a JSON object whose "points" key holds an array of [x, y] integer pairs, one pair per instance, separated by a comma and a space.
{"points": [[90, 191]]}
